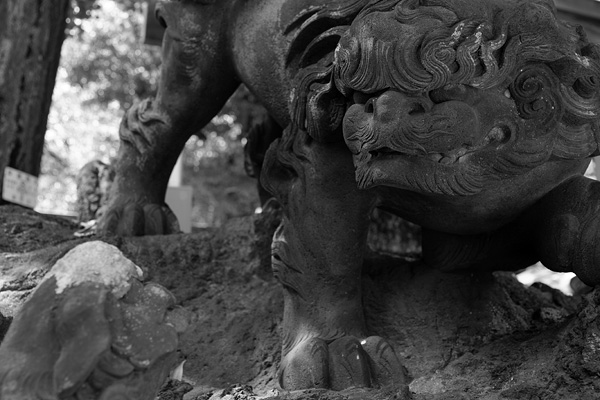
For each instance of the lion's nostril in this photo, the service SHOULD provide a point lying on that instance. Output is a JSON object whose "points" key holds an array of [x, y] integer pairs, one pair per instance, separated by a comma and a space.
{"points": [[370, 105]]}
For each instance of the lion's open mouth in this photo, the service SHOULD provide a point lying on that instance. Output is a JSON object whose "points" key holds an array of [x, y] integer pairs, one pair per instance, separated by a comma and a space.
{"points": [[447, 173], [498, 135]]}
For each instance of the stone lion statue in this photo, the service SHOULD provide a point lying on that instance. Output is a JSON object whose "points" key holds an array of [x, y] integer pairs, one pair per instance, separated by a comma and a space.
{"points": [[475, 120]]}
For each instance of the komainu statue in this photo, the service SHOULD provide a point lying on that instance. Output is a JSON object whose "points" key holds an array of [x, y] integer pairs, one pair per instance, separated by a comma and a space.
{"points": [[473, 119]]}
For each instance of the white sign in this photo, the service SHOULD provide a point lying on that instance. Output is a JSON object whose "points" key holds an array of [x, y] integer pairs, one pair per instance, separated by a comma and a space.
{"points": [[19, 187]]}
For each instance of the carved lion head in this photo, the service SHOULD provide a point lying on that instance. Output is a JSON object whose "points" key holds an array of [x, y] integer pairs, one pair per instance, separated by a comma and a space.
{"points": [[451, 96]]}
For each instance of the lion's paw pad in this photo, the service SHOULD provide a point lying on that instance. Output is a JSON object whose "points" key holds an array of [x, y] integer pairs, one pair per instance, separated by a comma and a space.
{"points": [[135, 219]]}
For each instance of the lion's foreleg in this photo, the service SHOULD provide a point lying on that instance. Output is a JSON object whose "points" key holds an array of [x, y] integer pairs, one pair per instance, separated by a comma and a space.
{"points": [[318, 250], [317, 256]]}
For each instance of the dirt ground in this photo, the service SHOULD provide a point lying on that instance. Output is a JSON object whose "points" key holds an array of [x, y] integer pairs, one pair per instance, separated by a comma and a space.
{"points": [[461, 336]]}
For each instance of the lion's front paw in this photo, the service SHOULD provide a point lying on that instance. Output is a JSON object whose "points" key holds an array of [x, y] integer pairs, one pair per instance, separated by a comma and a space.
{"points": [[340, 364], [137, 219]]}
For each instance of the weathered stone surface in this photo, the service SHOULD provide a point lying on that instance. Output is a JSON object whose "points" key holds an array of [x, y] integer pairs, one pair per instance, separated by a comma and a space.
{"points": [[174, 390], [461, 336], [11, 301], [90, 329], [29, 245], [22, 230], [93, 182], [217, 275], [95, 262]]}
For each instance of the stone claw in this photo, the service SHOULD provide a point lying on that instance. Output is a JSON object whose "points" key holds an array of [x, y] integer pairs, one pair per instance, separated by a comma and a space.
{"points": [[347, 362], [386, 368], [134, 219], [306, 366]]}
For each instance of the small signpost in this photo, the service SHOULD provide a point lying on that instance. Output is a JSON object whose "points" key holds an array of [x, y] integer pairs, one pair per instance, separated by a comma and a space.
{"points": [[19, 187]]}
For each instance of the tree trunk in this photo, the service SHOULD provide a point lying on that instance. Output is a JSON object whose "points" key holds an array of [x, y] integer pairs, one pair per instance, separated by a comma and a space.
{"points": [[31, 37]]}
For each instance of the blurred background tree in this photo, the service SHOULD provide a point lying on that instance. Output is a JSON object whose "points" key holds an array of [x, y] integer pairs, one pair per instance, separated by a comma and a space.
{"points": [[31, 36]]}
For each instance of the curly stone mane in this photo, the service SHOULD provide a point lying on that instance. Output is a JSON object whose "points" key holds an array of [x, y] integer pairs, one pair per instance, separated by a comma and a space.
{"points": [[316, 104], [548, 67]]}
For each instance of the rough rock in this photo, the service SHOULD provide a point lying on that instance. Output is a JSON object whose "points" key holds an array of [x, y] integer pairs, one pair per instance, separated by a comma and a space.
{"points": [[96, 262], [90, 329], [174, 390], [461, 336]]}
